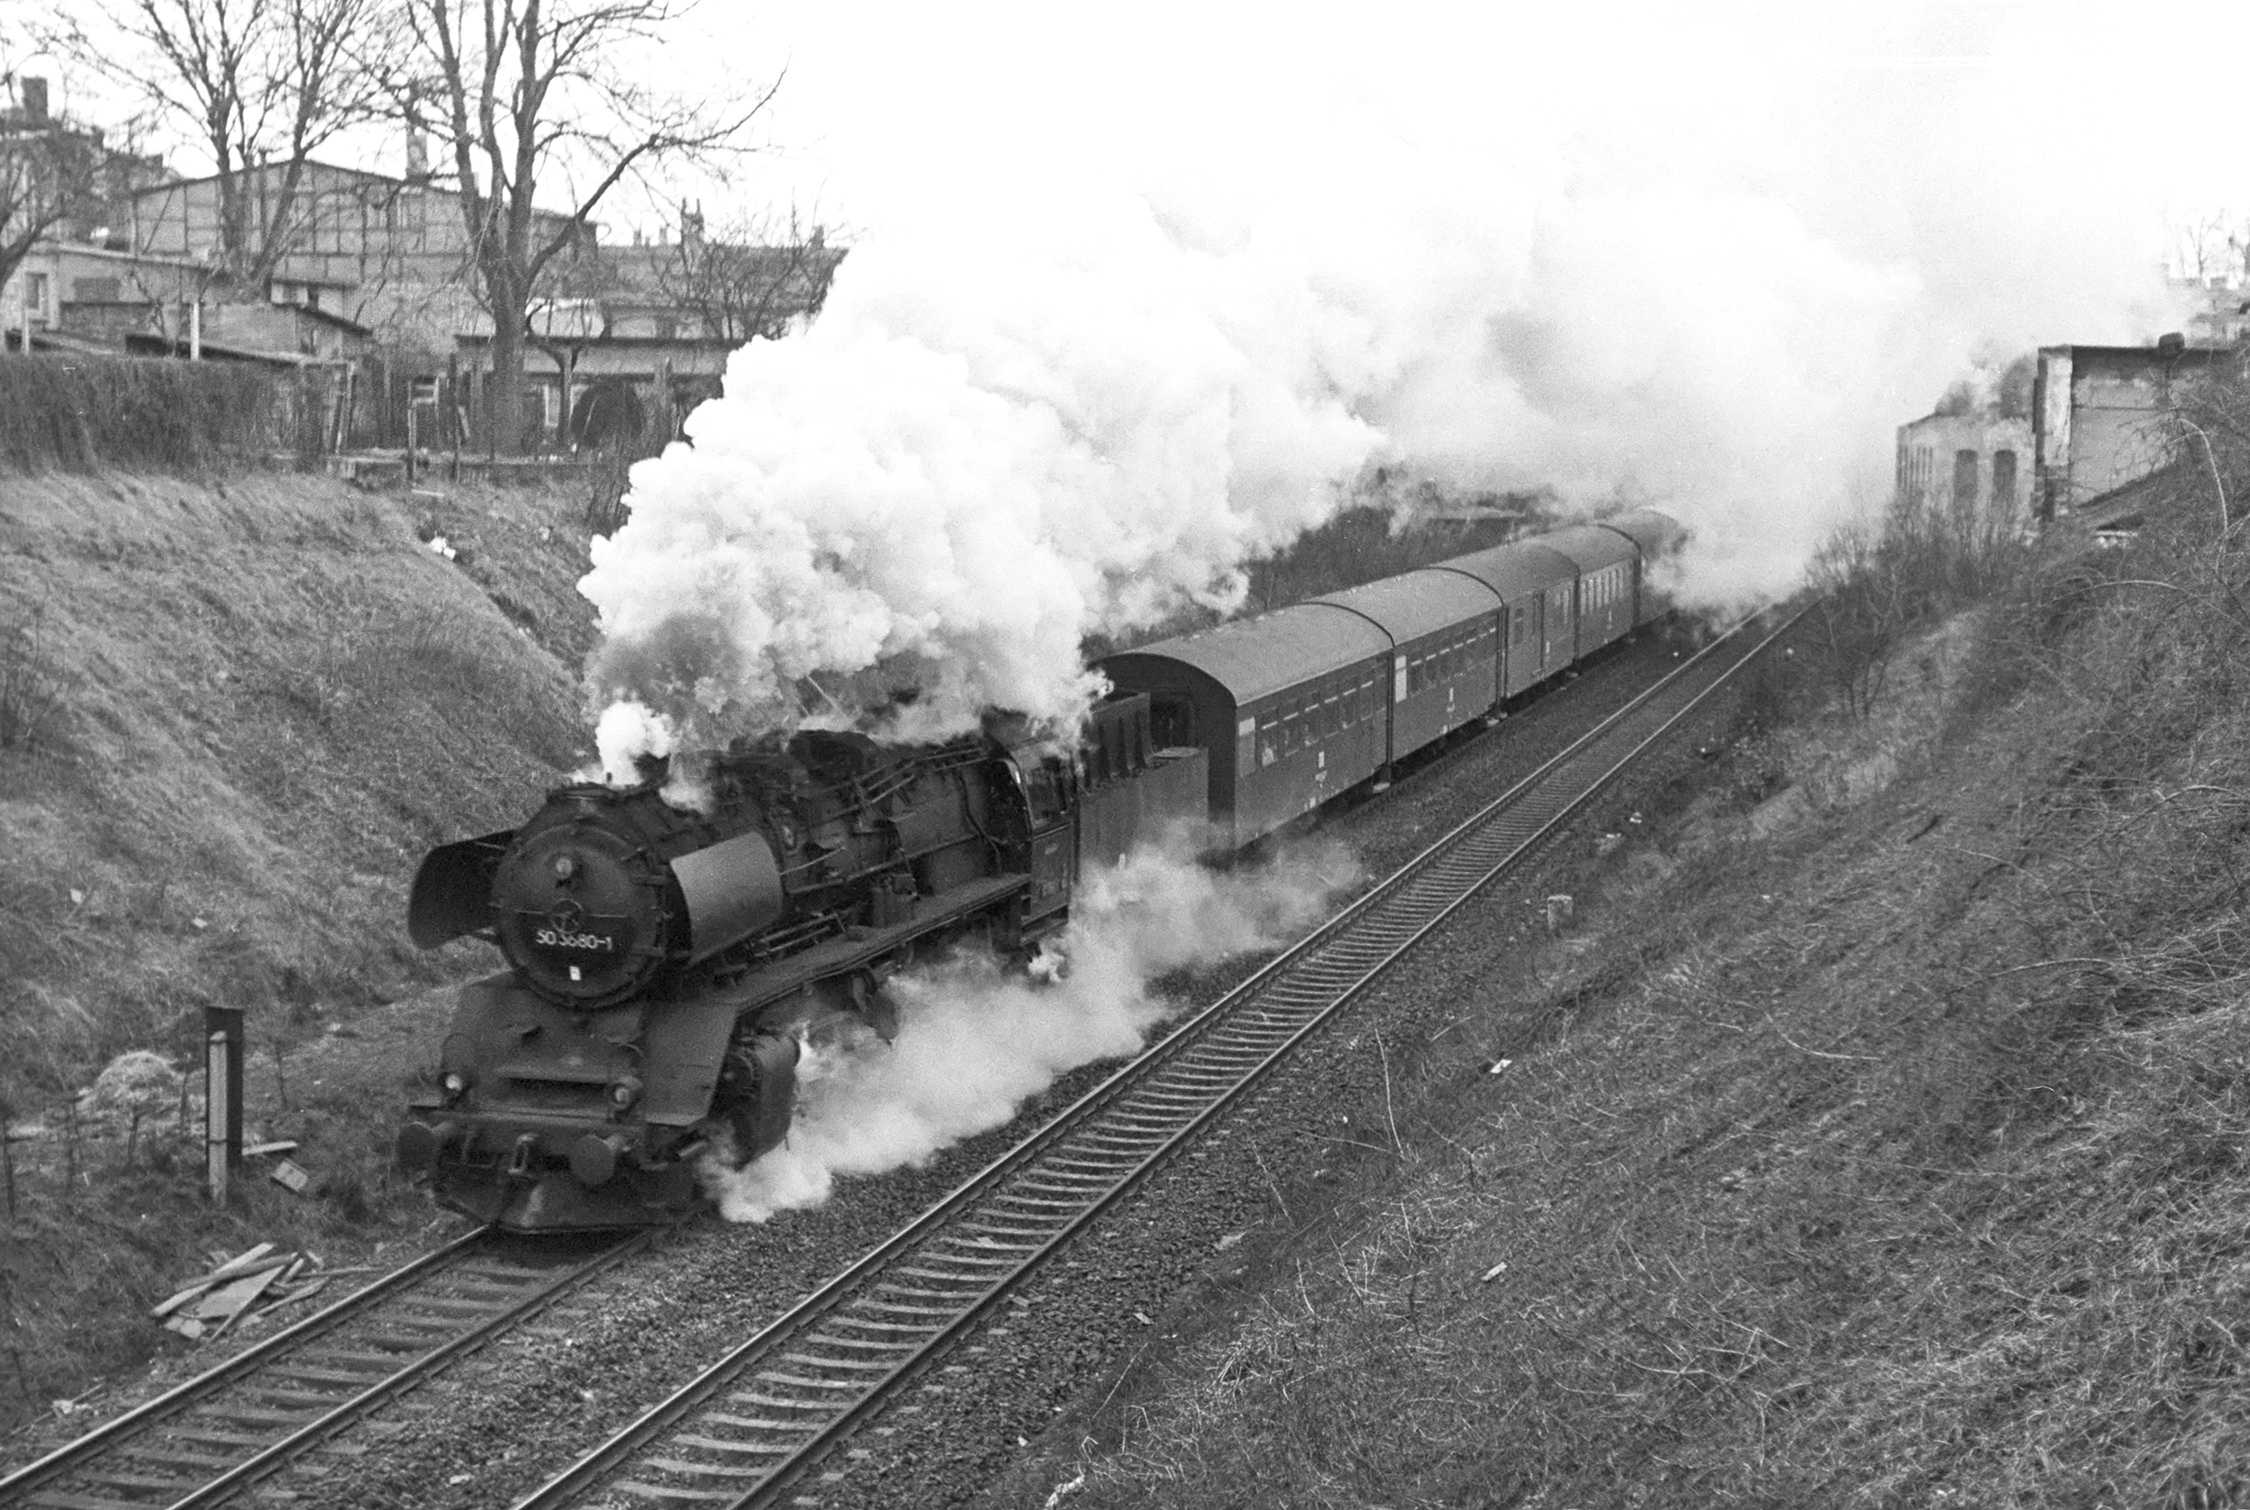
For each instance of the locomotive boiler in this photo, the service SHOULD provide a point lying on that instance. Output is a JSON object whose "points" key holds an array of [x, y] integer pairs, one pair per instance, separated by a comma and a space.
{"points": [[668, 963]]}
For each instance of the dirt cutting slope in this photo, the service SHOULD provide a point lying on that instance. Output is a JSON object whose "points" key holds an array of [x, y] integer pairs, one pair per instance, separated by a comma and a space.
{"points": [[233, 713]]}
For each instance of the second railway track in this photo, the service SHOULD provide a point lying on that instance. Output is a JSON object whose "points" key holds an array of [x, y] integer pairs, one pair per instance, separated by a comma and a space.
{"points": [[756, 1422], [217, 1434]]}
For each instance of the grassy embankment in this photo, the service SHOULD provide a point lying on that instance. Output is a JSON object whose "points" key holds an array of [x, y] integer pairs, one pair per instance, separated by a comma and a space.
{"points": [[235, 706], [1882, 1138]]}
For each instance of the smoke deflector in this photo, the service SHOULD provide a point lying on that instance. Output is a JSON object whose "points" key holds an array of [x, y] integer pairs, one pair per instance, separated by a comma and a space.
{"points": [[732, 889], [452, 893]]}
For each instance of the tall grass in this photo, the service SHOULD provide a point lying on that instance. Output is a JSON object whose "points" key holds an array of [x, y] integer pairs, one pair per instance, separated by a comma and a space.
{"points": [[33, 694], [75, 414]]}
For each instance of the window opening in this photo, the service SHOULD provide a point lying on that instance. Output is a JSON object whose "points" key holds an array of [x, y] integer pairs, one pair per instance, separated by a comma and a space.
{"points": [[1964, 477]]}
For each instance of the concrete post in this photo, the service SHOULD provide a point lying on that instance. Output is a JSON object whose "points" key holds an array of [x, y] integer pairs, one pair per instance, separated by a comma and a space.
{"points": [[223, 1052]]}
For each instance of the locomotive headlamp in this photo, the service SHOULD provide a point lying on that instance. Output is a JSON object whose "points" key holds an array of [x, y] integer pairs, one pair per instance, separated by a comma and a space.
{"points": [[566, 866], [454, 1082], [625, 1092]]}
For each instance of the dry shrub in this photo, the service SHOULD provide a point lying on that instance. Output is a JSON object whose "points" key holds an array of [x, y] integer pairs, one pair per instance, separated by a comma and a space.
{"points": [[77, 413], [34, 694], [1878, 582]]}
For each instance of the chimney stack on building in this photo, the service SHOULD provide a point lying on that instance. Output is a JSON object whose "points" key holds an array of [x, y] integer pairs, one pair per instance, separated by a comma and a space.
{"points": [[691, 225], [417, 152]]}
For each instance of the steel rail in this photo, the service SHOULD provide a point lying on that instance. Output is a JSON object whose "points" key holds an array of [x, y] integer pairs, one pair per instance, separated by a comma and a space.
{"points": [[125, 1465], [203, 1385], [838, 1355]]}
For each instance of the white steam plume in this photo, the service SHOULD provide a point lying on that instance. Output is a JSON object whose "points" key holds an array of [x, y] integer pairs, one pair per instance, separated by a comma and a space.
{"points": [[975, 1040], [968, 464], [1128, 311]]}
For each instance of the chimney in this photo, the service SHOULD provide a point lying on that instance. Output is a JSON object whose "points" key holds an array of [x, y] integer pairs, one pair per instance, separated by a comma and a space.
{"points": [[35, 102], [691, 226], [417, 154]]}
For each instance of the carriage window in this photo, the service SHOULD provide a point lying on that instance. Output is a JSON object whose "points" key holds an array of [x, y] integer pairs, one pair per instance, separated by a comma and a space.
{"points": [[1518, 618], [1171, 722], [1269, 739]]}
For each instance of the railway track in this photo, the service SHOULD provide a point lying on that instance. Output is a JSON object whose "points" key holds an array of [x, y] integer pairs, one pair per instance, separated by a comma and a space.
{"points": [[215, 1435], [756, 1423]]}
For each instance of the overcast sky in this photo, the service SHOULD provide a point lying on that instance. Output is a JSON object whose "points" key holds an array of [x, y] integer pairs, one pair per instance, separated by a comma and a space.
{"points": [[1925, 131]]}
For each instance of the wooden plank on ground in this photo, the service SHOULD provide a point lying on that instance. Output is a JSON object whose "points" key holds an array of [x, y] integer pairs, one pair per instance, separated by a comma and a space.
{"points": [[239, 1263], [224, 1304]]}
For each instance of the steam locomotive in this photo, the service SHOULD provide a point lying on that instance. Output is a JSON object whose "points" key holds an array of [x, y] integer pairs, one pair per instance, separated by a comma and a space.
{"points": [[667, 966]]}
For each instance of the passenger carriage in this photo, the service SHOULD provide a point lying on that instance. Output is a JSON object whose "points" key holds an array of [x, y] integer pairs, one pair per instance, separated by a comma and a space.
{"points": [[1656, 536], [1607, 562], [1537, 588], [1291, 705], [1445, 651]]}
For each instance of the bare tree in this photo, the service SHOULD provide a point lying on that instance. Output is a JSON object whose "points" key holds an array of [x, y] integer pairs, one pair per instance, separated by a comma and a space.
{"points": [[567, 312], [533, 90], [755, 279], [261, 85], [2206, 246]]}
